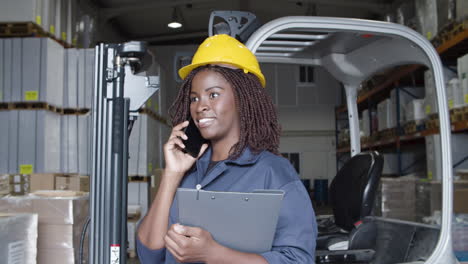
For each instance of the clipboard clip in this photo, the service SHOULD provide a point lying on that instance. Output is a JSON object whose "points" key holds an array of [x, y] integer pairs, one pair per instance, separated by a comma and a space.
{"points": [[198, 187]]}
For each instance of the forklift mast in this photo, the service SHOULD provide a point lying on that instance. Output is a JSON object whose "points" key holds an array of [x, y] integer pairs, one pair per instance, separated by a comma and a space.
{"points": [[122, 86]]}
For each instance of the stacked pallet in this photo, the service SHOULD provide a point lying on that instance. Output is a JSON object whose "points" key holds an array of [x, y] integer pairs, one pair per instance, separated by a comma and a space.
{"points": [[61, 20]]}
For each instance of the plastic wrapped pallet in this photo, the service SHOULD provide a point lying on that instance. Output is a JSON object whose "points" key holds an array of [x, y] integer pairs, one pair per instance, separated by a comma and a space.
{"points": [[396, 192], [411, 162], [365, 123], [21, 11], [38, 142], [462, 65], [61, 7], [31, 75], [406, 94], [414, 111], [84, 144], [71, 22], [72, 183], [143, 146], [426, 12], [19, 238], [69, 144], [445, 12], [385, 115], [4, 141], [406, 14], [7, 69], [454, 94], [131, 236], [462, 9], [85, 77], [61, 216], [48, 9], [460, 232], [41, 74], [459, 144], [430, 105], [4, 184], [70, 86], [2, 69], [13, 125], [139, 194]]}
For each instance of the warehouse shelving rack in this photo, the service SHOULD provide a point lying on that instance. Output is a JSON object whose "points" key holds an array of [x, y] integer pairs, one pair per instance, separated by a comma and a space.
{"points": [[453, 44]]}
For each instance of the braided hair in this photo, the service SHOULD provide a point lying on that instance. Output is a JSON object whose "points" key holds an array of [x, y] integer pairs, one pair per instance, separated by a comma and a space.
{"points": [[259, 127]]}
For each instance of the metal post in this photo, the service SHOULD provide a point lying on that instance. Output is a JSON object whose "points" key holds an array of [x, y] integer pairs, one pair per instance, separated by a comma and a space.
{"points": [[353, 116], [116, 69]]}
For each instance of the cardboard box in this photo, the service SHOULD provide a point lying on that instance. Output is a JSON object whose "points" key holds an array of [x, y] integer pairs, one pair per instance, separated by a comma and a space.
{"points": [[398, 198], [19, 238], [4, 184], [54, 256], [72, 183], [61, 217], [460, 196], [42, 182], [51, 209]]}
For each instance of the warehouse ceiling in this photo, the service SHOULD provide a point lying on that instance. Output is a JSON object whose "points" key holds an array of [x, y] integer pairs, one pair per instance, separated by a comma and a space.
{"points": [[147, 19]]}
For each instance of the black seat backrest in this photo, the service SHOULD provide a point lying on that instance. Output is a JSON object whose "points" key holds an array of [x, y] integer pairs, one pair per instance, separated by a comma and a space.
{"points": [[354, 188]]}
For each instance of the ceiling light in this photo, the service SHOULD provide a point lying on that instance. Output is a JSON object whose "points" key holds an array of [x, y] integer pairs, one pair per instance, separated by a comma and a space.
{"points": [[176, 21]]}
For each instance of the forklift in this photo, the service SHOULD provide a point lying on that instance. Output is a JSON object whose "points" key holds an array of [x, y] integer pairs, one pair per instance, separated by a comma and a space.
{"points": [[351, 50]]}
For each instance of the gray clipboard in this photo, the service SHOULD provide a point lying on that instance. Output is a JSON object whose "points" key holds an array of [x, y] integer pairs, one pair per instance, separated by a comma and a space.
{"points": [[242, 221]]}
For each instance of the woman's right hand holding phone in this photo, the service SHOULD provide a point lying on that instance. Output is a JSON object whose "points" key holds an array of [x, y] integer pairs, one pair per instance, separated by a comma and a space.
{"points": [[176, 160]]}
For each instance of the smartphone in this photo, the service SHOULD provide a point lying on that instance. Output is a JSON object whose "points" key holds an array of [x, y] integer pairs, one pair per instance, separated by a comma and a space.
{"points": [[195, 140]]}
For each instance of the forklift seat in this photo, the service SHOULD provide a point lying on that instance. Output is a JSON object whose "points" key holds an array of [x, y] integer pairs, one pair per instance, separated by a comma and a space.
{"points": [[352, 196]]}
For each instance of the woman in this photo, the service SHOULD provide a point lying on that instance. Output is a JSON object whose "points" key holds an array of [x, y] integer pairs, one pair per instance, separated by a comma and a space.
{"points": [[222, 92]]}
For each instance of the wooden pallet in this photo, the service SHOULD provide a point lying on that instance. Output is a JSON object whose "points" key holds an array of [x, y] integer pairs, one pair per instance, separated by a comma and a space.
{"points": [[42, 106], [33, 106], [432, 123], [21, 29], [74, 111], [27, 29], [155, 116], [388, 133], [410, 127], [449, 31]]}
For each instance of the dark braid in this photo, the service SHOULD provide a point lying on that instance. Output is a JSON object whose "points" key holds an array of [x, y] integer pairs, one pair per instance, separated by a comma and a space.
{"points": [[259, 122]]}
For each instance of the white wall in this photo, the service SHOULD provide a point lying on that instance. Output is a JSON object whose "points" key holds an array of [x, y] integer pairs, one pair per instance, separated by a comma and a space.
{"points": [[307, 116]]}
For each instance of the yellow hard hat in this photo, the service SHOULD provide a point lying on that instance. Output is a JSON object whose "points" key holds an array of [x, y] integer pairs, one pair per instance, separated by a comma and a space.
{"points": [[223, 49]]}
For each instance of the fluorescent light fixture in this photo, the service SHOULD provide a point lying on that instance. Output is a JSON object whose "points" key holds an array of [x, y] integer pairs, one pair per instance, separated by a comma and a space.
{"points": [[174, 25], [176, 21]]}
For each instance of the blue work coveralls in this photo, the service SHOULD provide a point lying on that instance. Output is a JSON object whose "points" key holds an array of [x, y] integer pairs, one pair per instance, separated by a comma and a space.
{"points": [[296, 231]]}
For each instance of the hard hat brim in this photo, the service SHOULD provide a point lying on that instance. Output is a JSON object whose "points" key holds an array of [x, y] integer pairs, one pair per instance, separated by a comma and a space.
{"points": [[184, 71]]}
